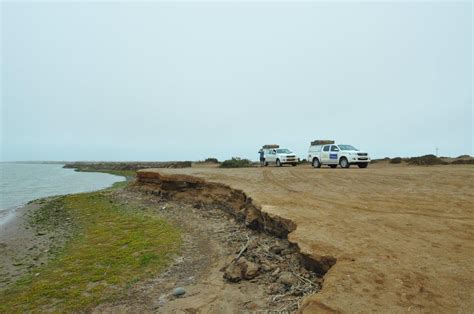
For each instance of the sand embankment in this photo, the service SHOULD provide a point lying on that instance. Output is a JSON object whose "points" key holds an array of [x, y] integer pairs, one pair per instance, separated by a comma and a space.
{"points": [[401, 236]]}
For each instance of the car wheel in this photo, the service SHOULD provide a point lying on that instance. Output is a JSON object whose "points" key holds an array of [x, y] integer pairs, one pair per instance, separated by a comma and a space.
{"points": [[294, 165], [344, 163], [316, 163], [278, 163], [363, 165]]}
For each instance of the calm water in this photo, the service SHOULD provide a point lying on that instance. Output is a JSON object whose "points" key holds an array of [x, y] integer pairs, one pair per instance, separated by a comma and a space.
{"points": [[21, 183]]}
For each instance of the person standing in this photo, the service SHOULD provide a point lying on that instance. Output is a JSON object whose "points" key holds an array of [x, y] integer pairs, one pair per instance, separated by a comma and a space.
{"points": [[262, 157]]}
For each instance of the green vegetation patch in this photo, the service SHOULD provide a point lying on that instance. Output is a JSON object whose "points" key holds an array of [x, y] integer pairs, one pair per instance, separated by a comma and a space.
{"points": [[113, 247], [236, 163]]}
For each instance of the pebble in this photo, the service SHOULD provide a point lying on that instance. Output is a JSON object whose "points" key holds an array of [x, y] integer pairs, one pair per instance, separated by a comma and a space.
{"points": [[179, 291], [287, 279], [251, 270]]}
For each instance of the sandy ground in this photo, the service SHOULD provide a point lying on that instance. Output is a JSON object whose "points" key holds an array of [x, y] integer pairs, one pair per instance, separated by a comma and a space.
{"points": [[403, 236]]}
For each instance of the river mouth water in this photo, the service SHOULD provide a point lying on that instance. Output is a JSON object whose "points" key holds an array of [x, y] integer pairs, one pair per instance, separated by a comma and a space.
{"points": [[21, 183]]}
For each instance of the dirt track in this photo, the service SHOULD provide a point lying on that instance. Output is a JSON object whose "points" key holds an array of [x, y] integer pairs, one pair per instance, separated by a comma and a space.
{"points": [[403, 236]]}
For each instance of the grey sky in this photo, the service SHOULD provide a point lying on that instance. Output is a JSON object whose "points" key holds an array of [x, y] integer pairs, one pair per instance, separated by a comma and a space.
{"points": [[169, 81]]}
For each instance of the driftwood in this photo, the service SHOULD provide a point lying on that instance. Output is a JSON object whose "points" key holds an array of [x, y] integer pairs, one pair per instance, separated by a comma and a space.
{"points": [[243, 249]]}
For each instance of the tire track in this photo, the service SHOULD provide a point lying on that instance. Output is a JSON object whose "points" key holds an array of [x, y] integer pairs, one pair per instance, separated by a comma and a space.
{"points": [[268, 176]]}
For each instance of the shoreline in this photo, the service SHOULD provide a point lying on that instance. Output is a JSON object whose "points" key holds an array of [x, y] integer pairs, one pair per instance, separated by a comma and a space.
{"points": [[22, 247], [9, 208]]}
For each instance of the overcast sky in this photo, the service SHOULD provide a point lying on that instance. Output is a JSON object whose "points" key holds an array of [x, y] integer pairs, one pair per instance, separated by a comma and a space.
{"points": [[190, 80]]}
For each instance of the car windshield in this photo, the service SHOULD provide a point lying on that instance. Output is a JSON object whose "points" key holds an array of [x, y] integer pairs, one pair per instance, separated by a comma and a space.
{"points": [[347, 147], [283, 151]]}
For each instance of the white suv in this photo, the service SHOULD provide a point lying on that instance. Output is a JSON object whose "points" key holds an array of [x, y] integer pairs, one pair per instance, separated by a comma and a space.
{"points": [[333, 155], [280, 156]]}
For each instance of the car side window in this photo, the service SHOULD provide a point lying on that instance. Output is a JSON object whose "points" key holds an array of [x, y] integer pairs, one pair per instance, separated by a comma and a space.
{"points": [[334, 148], [326, 148]]}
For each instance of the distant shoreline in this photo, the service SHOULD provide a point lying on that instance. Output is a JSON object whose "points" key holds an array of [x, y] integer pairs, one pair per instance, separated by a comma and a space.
{"points": [[9, 207]]}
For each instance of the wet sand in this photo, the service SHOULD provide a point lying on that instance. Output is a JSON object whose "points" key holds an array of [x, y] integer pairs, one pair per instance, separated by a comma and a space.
{"points": [[23, 246]]}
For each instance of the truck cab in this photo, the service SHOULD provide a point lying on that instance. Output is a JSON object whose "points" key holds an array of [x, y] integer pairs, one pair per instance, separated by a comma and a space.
{"points": [[333, 155], [280, 157]]}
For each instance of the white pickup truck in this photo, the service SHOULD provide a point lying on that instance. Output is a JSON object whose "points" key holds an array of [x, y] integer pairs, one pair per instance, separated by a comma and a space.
{"points": [[333, 155], [280, 157]]}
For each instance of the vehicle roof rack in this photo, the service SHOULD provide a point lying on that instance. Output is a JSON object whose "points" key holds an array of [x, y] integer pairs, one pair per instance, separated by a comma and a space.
{"points": [[322, 142], [270, 146]]}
